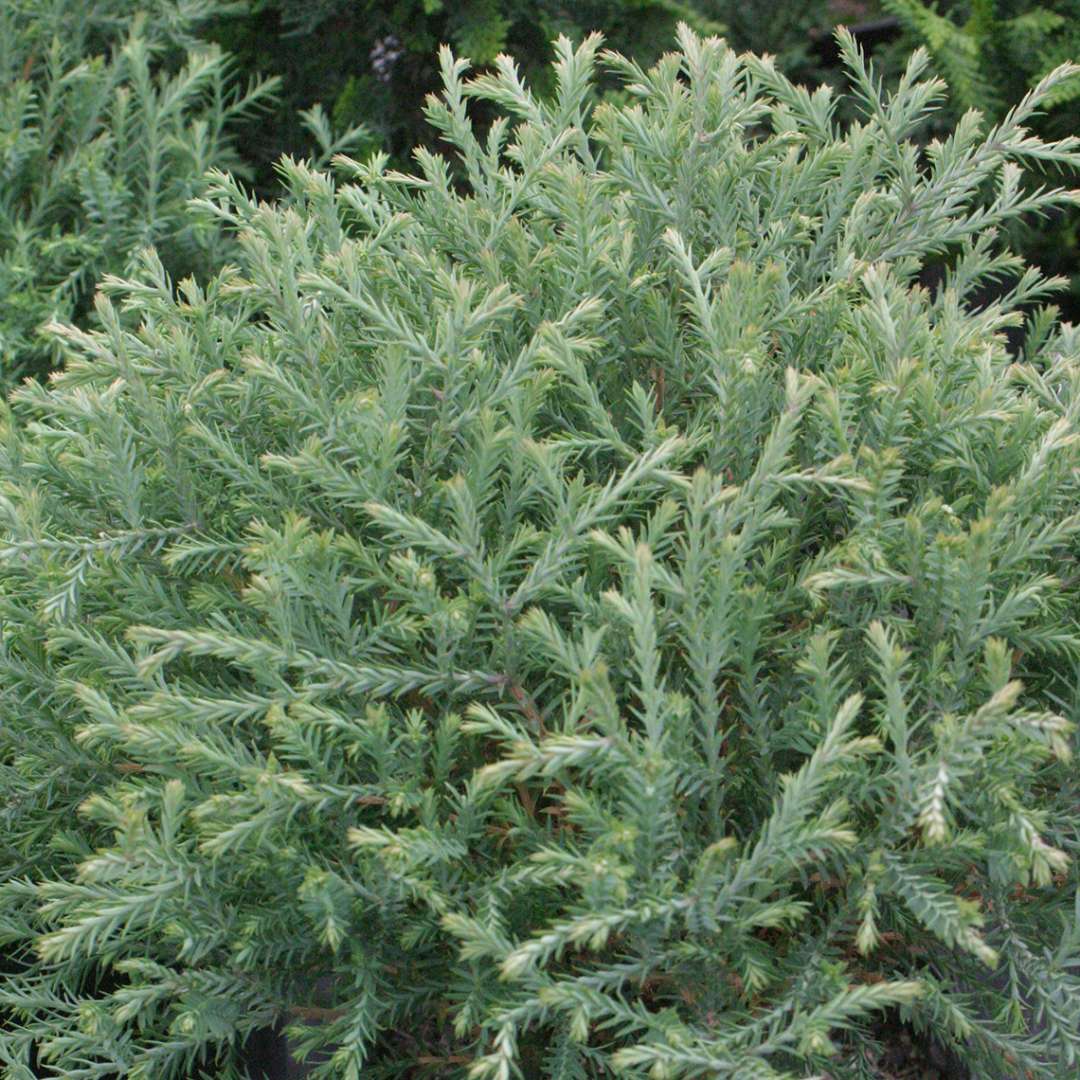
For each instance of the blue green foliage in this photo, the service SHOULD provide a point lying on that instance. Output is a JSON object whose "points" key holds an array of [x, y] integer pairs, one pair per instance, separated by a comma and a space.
{"points": [[371, 63], [110, 115], [578, 609]]}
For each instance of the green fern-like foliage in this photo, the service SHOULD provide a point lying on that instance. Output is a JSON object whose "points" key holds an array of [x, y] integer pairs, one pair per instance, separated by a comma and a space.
{"points": [[109, 116], [993, 51], [582, 610]]}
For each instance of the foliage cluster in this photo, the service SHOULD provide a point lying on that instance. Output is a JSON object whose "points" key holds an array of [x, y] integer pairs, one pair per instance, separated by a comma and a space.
{"points": [[991, 53], [371, 64], [110, 115], [600, 616]]}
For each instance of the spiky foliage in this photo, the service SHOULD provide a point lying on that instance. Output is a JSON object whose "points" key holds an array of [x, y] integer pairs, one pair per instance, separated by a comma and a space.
{"points": [[993, 51], [371, 63], [597, 617], [109, 117]]}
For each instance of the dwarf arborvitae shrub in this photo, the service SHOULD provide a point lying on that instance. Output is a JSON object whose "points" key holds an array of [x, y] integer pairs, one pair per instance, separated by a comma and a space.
{"points": [[581, 609], [107, 125]]}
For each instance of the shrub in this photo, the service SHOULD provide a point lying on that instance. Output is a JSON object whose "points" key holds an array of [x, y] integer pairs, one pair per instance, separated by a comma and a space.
{"points": [[603, 616], [107, 124]]}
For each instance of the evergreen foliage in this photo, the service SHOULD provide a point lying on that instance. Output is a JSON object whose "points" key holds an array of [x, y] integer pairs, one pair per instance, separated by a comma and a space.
{"points": [[991, 53], [369, 63], [110, 114], [599, 617]]}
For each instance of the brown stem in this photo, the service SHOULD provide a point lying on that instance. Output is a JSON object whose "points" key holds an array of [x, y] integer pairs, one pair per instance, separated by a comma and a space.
{"points": [[526, 800], [528, 707]]}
